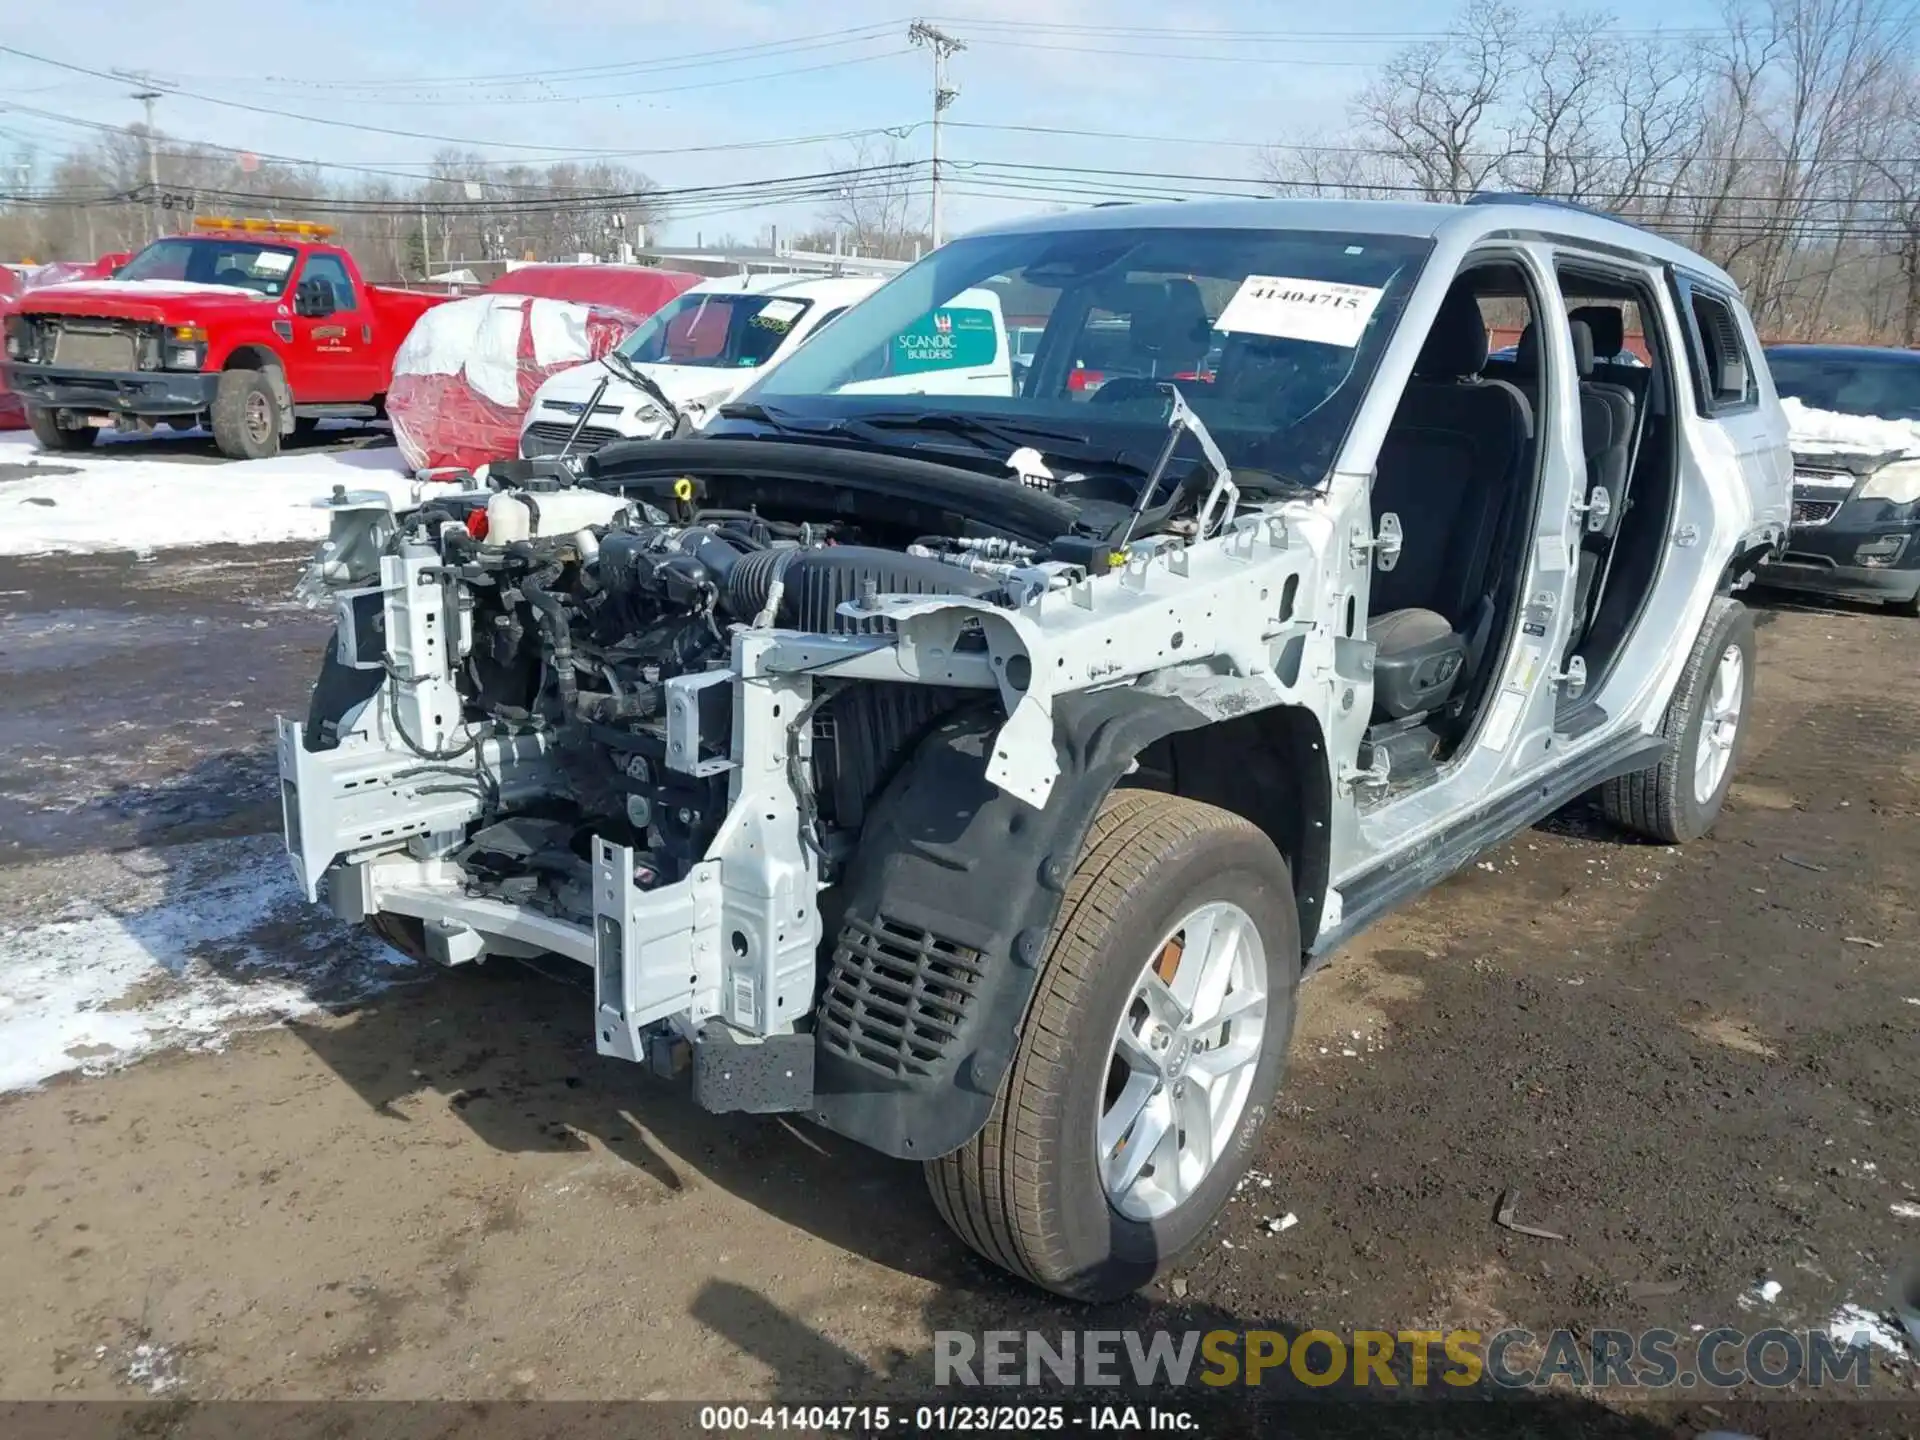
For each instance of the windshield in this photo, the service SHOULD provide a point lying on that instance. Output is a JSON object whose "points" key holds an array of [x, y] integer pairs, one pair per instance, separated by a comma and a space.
{"points": [[1886, 386], [1271, 335], [734, 331], [262, 269]]}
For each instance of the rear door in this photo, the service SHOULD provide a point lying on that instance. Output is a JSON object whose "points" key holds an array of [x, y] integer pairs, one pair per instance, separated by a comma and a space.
{"points": [[334, 352], [1743, 425]]}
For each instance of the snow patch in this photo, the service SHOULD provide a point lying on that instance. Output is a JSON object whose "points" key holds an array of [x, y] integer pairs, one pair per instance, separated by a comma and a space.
{"points": [[154, 1368], [1810, 429], [1763, 1293], [1857, 1325], [157, 289], [220, 941], [121, 503]]}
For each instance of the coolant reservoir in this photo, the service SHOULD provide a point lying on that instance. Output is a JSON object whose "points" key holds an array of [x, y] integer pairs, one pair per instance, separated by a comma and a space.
{"points": [[520, 515]]}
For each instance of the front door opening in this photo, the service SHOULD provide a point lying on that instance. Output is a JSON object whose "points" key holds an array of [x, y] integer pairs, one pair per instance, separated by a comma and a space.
{"points": [[1460, 468]]}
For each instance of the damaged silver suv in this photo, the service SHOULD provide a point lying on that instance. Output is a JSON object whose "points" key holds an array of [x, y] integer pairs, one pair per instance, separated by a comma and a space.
{"points": [[973, 759]]}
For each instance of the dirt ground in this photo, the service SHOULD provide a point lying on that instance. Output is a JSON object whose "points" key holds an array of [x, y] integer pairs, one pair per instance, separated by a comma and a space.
{"points": [[1700, 1066]]}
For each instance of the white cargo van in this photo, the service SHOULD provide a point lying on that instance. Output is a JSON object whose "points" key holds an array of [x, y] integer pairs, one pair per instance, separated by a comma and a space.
{"points": [[716, 339], [698, 351]]}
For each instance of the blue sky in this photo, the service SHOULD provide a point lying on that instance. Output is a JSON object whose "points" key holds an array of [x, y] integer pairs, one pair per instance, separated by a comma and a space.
{"points": [[1211, 99]]}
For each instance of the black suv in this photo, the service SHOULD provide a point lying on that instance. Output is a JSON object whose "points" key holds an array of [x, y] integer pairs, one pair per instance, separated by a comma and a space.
{"points": [[1856, 464]]}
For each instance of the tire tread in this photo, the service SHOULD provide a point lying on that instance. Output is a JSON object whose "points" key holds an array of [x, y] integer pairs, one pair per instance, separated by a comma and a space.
{"points": [[990, 1190], [1649, 802]]}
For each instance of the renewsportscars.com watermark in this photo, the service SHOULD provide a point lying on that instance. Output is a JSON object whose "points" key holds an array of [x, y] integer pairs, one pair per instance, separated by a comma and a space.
{"points": [[1724, 1358]]}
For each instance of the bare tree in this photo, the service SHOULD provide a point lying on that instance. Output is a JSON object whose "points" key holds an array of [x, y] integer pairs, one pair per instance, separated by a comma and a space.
{"points": [[1897, 171], [1336, 167], [99, 198], [1439, 110], [880, 210], [1773, 145], [1561, 99]]}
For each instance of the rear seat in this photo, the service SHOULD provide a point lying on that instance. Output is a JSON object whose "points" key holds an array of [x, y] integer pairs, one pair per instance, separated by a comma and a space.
{"points": [[1609, 413]]}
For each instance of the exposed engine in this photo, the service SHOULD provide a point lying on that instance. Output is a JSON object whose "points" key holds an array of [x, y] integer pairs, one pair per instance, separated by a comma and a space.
{"points": [[579, 669], [577, 634]]}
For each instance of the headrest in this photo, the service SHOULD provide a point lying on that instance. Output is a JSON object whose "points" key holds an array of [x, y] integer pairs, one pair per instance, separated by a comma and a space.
{"points": [[1582, 348], [1174, 319], [1526, 355], [1457, 344], [1606, 325]]}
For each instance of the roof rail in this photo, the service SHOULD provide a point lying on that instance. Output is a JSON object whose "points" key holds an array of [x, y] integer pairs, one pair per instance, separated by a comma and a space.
{"points": [[1520, 197]]}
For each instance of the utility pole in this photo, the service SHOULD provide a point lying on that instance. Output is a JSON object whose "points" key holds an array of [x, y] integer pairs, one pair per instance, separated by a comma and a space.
{"points": [[943, 46], [147, 97]]}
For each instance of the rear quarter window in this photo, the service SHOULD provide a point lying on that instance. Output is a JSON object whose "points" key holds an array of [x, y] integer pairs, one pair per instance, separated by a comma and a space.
{"points": [[1725, 380]]}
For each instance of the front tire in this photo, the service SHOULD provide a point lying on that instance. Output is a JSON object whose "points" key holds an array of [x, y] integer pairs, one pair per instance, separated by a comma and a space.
{"points": [[246, 415], [1142, 1078], [1680, 798], [48, 431]]}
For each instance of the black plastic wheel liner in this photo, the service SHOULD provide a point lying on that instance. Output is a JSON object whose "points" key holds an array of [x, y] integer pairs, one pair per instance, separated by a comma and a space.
{"points": [[337, 692], [833, 480], [972, 879]]}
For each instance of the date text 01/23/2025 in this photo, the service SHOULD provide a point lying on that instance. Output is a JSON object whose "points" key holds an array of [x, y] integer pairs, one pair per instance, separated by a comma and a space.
{"points": [[946, 1419]]}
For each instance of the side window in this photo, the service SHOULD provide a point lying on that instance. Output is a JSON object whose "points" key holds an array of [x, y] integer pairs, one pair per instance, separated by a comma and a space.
{"points": [[1725, 378], [1505, 319], [329, 268]]}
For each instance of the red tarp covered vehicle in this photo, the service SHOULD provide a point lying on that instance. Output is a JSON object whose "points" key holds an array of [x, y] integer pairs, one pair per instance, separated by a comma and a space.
{"points": [[15, 281], [466, 373]]}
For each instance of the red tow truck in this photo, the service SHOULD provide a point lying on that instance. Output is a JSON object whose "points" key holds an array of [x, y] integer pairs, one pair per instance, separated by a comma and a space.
{"points": [[257, 329]]}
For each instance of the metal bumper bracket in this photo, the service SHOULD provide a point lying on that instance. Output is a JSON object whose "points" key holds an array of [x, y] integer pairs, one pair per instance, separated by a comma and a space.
{"points": [[656, 953]]}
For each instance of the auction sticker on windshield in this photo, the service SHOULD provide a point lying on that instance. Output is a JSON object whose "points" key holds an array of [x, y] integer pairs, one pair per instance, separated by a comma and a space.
{"points": [[1322, 311]]}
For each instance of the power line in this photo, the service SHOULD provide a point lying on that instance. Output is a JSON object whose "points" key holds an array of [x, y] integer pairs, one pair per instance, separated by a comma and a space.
{"points": [[821, 180], [1896, 20], [1684, 225], [1157, 55], [901, 132], [699, 58], [727, 55], [471, 99], [316, 119], [1391, 187], [1012, 180], [1383, 152]]}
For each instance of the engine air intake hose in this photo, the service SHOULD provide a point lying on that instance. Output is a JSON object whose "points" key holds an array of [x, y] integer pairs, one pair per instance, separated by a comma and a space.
{"points": [[817, 582]]}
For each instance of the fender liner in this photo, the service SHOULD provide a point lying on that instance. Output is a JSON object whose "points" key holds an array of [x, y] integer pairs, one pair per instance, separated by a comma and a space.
{"points": [[948, 908]]}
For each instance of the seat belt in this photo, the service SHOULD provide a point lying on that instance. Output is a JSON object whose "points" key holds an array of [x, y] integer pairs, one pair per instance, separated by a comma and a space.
{"points": [[1626, 491]]}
